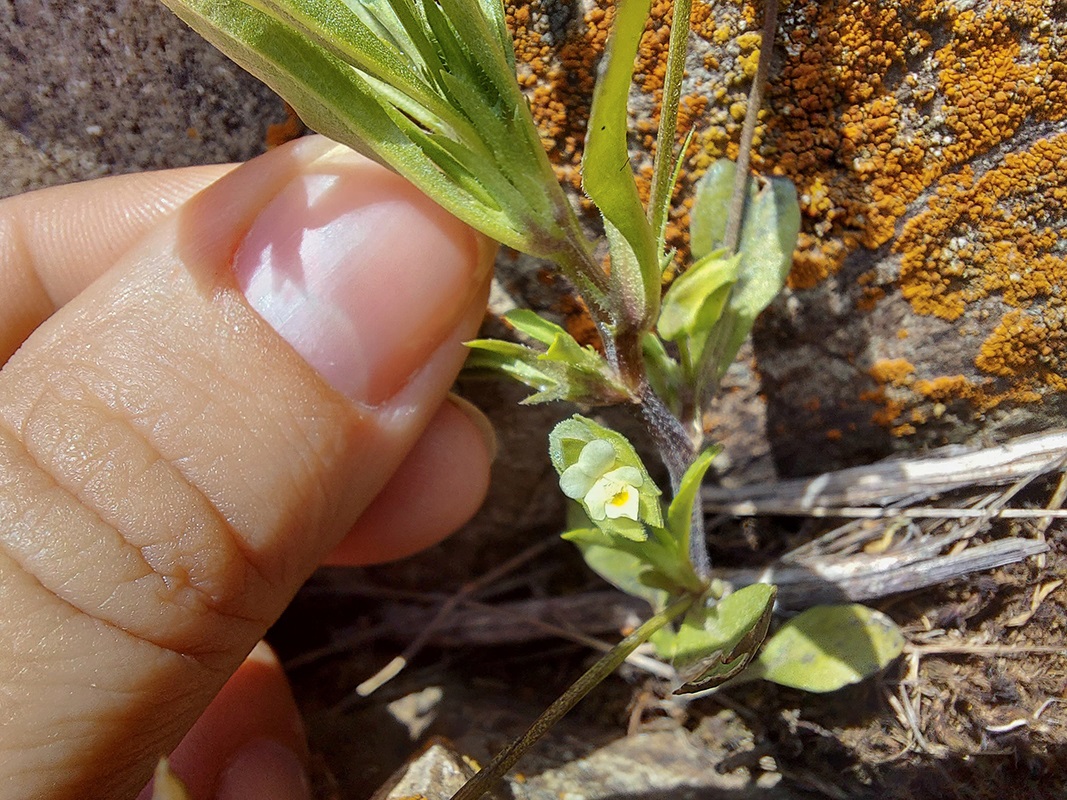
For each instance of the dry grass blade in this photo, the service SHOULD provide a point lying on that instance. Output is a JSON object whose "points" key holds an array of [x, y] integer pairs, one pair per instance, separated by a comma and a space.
{"points": [[891, 480], [837, 579], [891, 546]]}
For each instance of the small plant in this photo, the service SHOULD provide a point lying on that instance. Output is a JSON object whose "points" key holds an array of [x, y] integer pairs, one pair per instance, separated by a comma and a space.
{"points": [[427, 88]]}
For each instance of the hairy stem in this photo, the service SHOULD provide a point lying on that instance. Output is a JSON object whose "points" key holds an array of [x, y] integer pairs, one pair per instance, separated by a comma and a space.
{"points": [[736, 215], [506, 759], [663, 167], [575, 259], [678, 452], [675, 447]]}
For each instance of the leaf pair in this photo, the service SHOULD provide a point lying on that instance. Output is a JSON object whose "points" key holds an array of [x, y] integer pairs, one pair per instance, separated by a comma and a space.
{"points": [[424, 86], [565, 370], [710, 309], [822, 649]]}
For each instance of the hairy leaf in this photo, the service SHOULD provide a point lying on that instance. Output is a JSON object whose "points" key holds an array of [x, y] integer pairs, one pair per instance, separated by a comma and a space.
{"points": [[563, 371], [426, 88], [566, 443], [680, 511], [768, 238], [607, 176], [695, 302]]}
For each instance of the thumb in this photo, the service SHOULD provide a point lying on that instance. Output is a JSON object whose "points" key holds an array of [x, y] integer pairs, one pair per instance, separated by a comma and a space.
{"points": [[183, 442]]}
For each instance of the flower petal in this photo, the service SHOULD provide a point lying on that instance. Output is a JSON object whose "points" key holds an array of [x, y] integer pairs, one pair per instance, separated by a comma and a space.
{"points": [[630, 475], [624, 503], [597, 498], [576, 482], [597, 457]]}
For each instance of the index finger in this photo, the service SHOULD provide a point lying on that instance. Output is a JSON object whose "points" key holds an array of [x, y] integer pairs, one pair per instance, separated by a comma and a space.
{"points": [[55, 242]]}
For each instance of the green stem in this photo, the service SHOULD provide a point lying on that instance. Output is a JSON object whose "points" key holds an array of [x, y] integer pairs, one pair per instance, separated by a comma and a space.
{"points": [[735, 218], [663, 166], [506, 759], [576, 260]]}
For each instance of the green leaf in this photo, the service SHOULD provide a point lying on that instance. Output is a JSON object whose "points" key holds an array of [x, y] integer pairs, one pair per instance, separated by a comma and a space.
{"points": [[680, 512], [426, 88], [711, 204], [564, 371], [716, 642], [828, 647], [664, 373], [661, 216], [494, 12], [518, 362], [768, 238], [695, 301], [621, 569], [607, 176], [537, 327], [568, 440]]}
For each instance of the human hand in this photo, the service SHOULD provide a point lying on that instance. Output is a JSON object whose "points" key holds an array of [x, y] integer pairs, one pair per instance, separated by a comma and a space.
{"points": [[235, 382]]}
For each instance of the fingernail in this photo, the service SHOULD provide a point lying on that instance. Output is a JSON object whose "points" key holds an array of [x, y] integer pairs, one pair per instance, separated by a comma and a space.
{"points": [[263, 768], [480, 421], [359, 272]]}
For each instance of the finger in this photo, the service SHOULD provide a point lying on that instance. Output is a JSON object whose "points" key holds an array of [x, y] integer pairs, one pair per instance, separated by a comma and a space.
{"points": [[250, 736], [55, 242], [185, 440], [437, 488]]}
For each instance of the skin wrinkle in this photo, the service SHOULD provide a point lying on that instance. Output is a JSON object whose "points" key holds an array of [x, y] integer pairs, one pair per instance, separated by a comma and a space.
{"points": [[17, 563], [173, 471], [315, 469], [80, 723], [168, 598], [20, 241], [154, 418], [142, 423]]}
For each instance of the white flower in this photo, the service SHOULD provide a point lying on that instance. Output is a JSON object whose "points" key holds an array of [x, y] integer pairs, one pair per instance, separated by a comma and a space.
{"points": [[607, 493]]}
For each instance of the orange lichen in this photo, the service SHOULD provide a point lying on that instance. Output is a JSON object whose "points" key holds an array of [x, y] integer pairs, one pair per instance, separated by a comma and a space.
{"points": [[870, 112], [999, 236], [281, 132], [872, 108], [889, 408], [890, 374], [1030, 350], [946, 387], [895, 371]]}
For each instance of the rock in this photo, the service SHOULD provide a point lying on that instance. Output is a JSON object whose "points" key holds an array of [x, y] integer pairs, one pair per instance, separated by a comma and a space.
{"points": [[100, 88], [928, 144], [436, 773]]}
